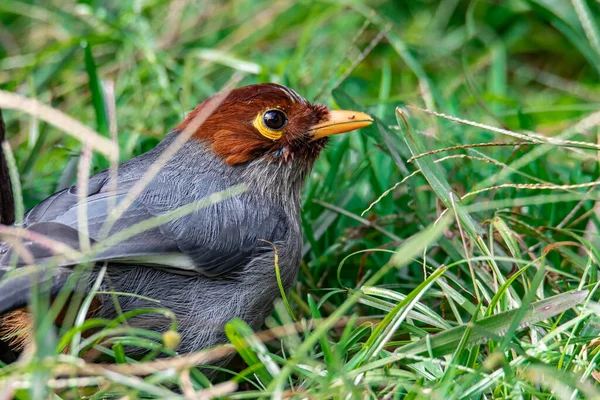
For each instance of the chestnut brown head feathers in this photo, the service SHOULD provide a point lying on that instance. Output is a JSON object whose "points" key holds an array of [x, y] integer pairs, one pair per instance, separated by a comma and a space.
{"points": [[271, 121]]}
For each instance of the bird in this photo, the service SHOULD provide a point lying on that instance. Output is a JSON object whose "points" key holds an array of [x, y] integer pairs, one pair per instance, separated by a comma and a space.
{"points": [[207, 267]]}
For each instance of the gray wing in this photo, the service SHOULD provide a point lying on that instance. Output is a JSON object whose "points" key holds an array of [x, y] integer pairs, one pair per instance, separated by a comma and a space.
{"points": [[214, 241]]}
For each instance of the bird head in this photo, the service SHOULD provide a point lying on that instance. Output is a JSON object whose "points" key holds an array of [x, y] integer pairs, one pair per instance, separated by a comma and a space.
{"points": [[272, 122]]}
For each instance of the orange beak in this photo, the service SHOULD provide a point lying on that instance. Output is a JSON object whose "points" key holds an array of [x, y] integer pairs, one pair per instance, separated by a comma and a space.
{"points": [[340, 121]]}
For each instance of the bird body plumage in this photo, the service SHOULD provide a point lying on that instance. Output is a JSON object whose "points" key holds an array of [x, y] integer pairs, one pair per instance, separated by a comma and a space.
{"points": [[220, 241], [207, 266]]}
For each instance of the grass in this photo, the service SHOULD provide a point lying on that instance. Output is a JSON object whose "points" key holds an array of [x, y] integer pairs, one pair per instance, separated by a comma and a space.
{"points": [[474, 276]]}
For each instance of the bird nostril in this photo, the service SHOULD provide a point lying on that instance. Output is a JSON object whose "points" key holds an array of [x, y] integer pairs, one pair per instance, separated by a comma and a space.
{"points": [[352, 116]]}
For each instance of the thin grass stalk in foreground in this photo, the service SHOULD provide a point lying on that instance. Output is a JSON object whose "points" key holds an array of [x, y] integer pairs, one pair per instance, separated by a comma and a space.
{"points": [[108, 89], [83, 175]]}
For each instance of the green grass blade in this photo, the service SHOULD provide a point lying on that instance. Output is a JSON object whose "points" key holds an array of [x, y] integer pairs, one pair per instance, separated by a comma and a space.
{"points": [[446, 342], [96, 90], [251, 350]]}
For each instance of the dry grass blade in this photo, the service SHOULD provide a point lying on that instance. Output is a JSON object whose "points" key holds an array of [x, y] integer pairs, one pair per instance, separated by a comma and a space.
{"points": [[78, 366], [83, 175], [108, 88], [532, 186], [218, 390], [57, 247], [8, 388], [533, 137], [20, 249], [468, 146], [71, 366], [62, 121]]}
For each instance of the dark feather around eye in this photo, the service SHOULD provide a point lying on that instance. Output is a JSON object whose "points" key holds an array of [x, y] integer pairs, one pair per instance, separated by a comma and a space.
{"points": [[274, 119]]}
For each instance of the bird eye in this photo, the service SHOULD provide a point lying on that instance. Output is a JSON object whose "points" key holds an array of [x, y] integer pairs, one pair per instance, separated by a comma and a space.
{"points": [[274, 119]]}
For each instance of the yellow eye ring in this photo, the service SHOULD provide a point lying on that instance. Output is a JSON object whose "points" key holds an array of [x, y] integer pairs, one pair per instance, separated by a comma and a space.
{"points": [[277, 121]]}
